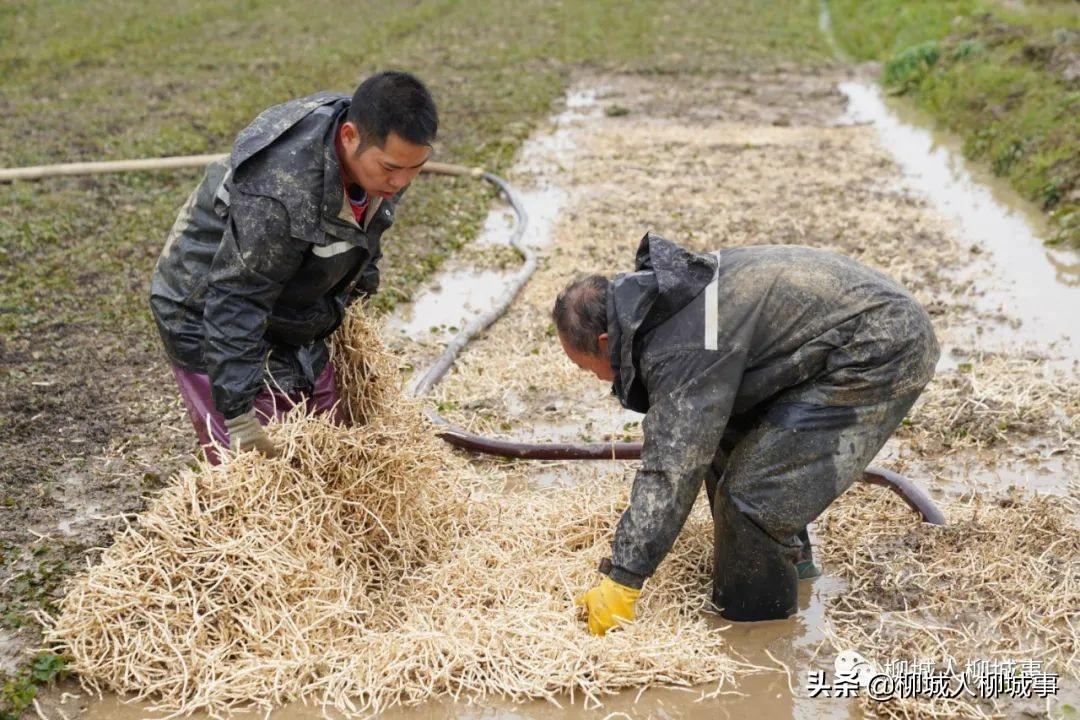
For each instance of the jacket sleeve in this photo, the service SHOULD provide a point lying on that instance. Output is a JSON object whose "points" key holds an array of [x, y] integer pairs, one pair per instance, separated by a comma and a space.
{"points": [[691, 393], [257, 256], [368, 282]]}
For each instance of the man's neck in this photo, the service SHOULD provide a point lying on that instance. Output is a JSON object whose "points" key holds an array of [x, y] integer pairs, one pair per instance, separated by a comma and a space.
{"points": [[354, 190]]}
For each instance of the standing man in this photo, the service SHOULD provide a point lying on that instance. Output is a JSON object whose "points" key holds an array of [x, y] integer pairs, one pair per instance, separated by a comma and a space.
{"points": [[274, 244], [774, 374]]}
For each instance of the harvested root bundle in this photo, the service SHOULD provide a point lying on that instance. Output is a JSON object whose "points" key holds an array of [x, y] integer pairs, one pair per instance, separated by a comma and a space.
{"points": [[994, 400], [369, 566], [999, 582]]}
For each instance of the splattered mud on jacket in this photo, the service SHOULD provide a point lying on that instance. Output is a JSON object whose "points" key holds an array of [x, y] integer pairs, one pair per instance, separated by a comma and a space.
{"points": [[700, 339], [265, 256]]}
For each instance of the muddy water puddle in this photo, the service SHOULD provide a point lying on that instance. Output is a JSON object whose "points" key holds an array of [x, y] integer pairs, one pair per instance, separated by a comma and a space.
{"points": [[460, 293], [458, 297], [1031, 287]]}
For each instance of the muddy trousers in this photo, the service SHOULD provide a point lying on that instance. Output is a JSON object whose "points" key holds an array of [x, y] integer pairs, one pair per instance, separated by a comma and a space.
{"points": [[774, 474], [269, 404]]}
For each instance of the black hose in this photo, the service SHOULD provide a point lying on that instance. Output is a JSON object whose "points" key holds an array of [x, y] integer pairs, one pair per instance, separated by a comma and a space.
{"points": [[909, 491]]}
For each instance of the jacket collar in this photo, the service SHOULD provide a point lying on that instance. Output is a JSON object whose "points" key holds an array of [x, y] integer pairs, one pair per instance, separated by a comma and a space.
{"points": [[666, 278], [334, 194], [308, 184]]}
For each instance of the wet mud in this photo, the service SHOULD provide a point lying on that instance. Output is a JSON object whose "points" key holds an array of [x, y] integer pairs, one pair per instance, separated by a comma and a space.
{"points": [[784, 158]]}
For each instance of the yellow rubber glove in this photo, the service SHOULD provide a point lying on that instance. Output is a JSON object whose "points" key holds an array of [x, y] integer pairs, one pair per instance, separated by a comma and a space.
{"points": [[609, 604]]}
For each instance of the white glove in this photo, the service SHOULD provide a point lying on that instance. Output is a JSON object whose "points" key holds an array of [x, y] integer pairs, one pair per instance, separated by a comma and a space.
{"points": [[245, 433]]}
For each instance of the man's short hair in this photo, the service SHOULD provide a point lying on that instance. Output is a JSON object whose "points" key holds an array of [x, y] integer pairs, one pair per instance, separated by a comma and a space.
{"points": [[580, 313], [393, 102]]}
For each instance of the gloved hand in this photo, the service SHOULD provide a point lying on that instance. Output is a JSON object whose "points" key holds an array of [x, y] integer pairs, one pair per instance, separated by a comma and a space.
{"points": [[245, 433], [608, 605]]}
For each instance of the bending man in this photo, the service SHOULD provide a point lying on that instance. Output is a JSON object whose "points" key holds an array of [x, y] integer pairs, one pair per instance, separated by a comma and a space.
{"points": [[274, 244], [771, 374]]}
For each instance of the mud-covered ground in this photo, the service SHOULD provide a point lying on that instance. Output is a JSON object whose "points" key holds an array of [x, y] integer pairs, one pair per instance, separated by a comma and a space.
{"points": [[727, 161], [775, 159], [94, 427]]}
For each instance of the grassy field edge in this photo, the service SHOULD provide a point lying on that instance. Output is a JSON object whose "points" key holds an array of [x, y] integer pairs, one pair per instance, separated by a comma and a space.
{"points": [[1004, 76]]}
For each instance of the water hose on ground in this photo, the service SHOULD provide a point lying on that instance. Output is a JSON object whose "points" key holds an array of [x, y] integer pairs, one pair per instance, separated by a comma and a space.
{"points": [[41, 172], [910, 492], [915, 497]]}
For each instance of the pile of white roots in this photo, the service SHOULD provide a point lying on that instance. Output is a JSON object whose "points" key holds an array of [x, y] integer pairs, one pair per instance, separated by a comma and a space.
{"points": [[370, 566]]}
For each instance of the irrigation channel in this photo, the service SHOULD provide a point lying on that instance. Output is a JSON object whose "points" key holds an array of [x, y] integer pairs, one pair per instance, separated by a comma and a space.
{"points": [[782, 158]]}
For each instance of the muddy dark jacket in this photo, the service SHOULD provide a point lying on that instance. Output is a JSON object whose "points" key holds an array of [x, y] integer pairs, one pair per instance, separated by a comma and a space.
{"points": [[265, 256], [699, 338]]}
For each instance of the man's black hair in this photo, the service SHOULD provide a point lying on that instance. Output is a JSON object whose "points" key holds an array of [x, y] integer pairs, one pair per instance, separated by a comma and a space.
{"points": [[393, 102], [580, 313]]}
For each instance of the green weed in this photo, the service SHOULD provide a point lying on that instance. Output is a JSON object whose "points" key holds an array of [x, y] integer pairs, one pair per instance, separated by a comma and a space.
{"points": [[907, 69], [996, 75], [18, 691]]}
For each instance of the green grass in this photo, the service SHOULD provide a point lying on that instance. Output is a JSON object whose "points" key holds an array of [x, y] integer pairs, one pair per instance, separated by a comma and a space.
{"points": [[17, 692], [995, 73], [110, 80], [34, 576]]}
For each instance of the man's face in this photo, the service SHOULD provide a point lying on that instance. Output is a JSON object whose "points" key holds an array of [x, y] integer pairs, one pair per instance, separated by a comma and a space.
{"points": [[599, 364], [381, 171]]}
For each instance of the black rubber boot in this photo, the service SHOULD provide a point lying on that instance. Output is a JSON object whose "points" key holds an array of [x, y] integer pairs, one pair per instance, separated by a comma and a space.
{"points": [[754, 576], [804, 565]]}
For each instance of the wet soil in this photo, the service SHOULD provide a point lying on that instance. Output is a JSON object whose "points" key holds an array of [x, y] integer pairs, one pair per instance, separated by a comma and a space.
{"points": [[90, 427], [730, 161]]}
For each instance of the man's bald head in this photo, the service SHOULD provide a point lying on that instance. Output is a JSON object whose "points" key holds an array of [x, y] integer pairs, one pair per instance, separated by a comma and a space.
{"points": [[580, 313], [580, 316]]}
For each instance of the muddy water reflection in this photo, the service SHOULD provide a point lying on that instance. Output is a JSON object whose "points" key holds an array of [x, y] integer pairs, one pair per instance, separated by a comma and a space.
{"points": [[1037, 285]]}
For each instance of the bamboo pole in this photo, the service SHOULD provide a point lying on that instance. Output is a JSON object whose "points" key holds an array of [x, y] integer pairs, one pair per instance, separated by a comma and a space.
{"points": [[39, 172]]}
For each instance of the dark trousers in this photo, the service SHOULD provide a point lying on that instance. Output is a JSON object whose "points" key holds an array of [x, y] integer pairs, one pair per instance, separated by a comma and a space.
{"points": [[776, 471]]}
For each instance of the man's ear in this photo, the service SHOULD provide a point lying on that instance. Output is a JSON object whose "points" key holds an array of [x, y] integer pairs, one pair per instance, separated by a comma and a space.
{"points": [[352, 135], [602, 342]]}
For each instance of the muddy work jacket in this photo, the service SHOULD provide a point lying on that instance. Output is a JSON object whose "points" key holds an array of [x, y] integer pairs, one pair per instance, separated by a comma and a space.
{"points": [[265, 256], [698, 339]]}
